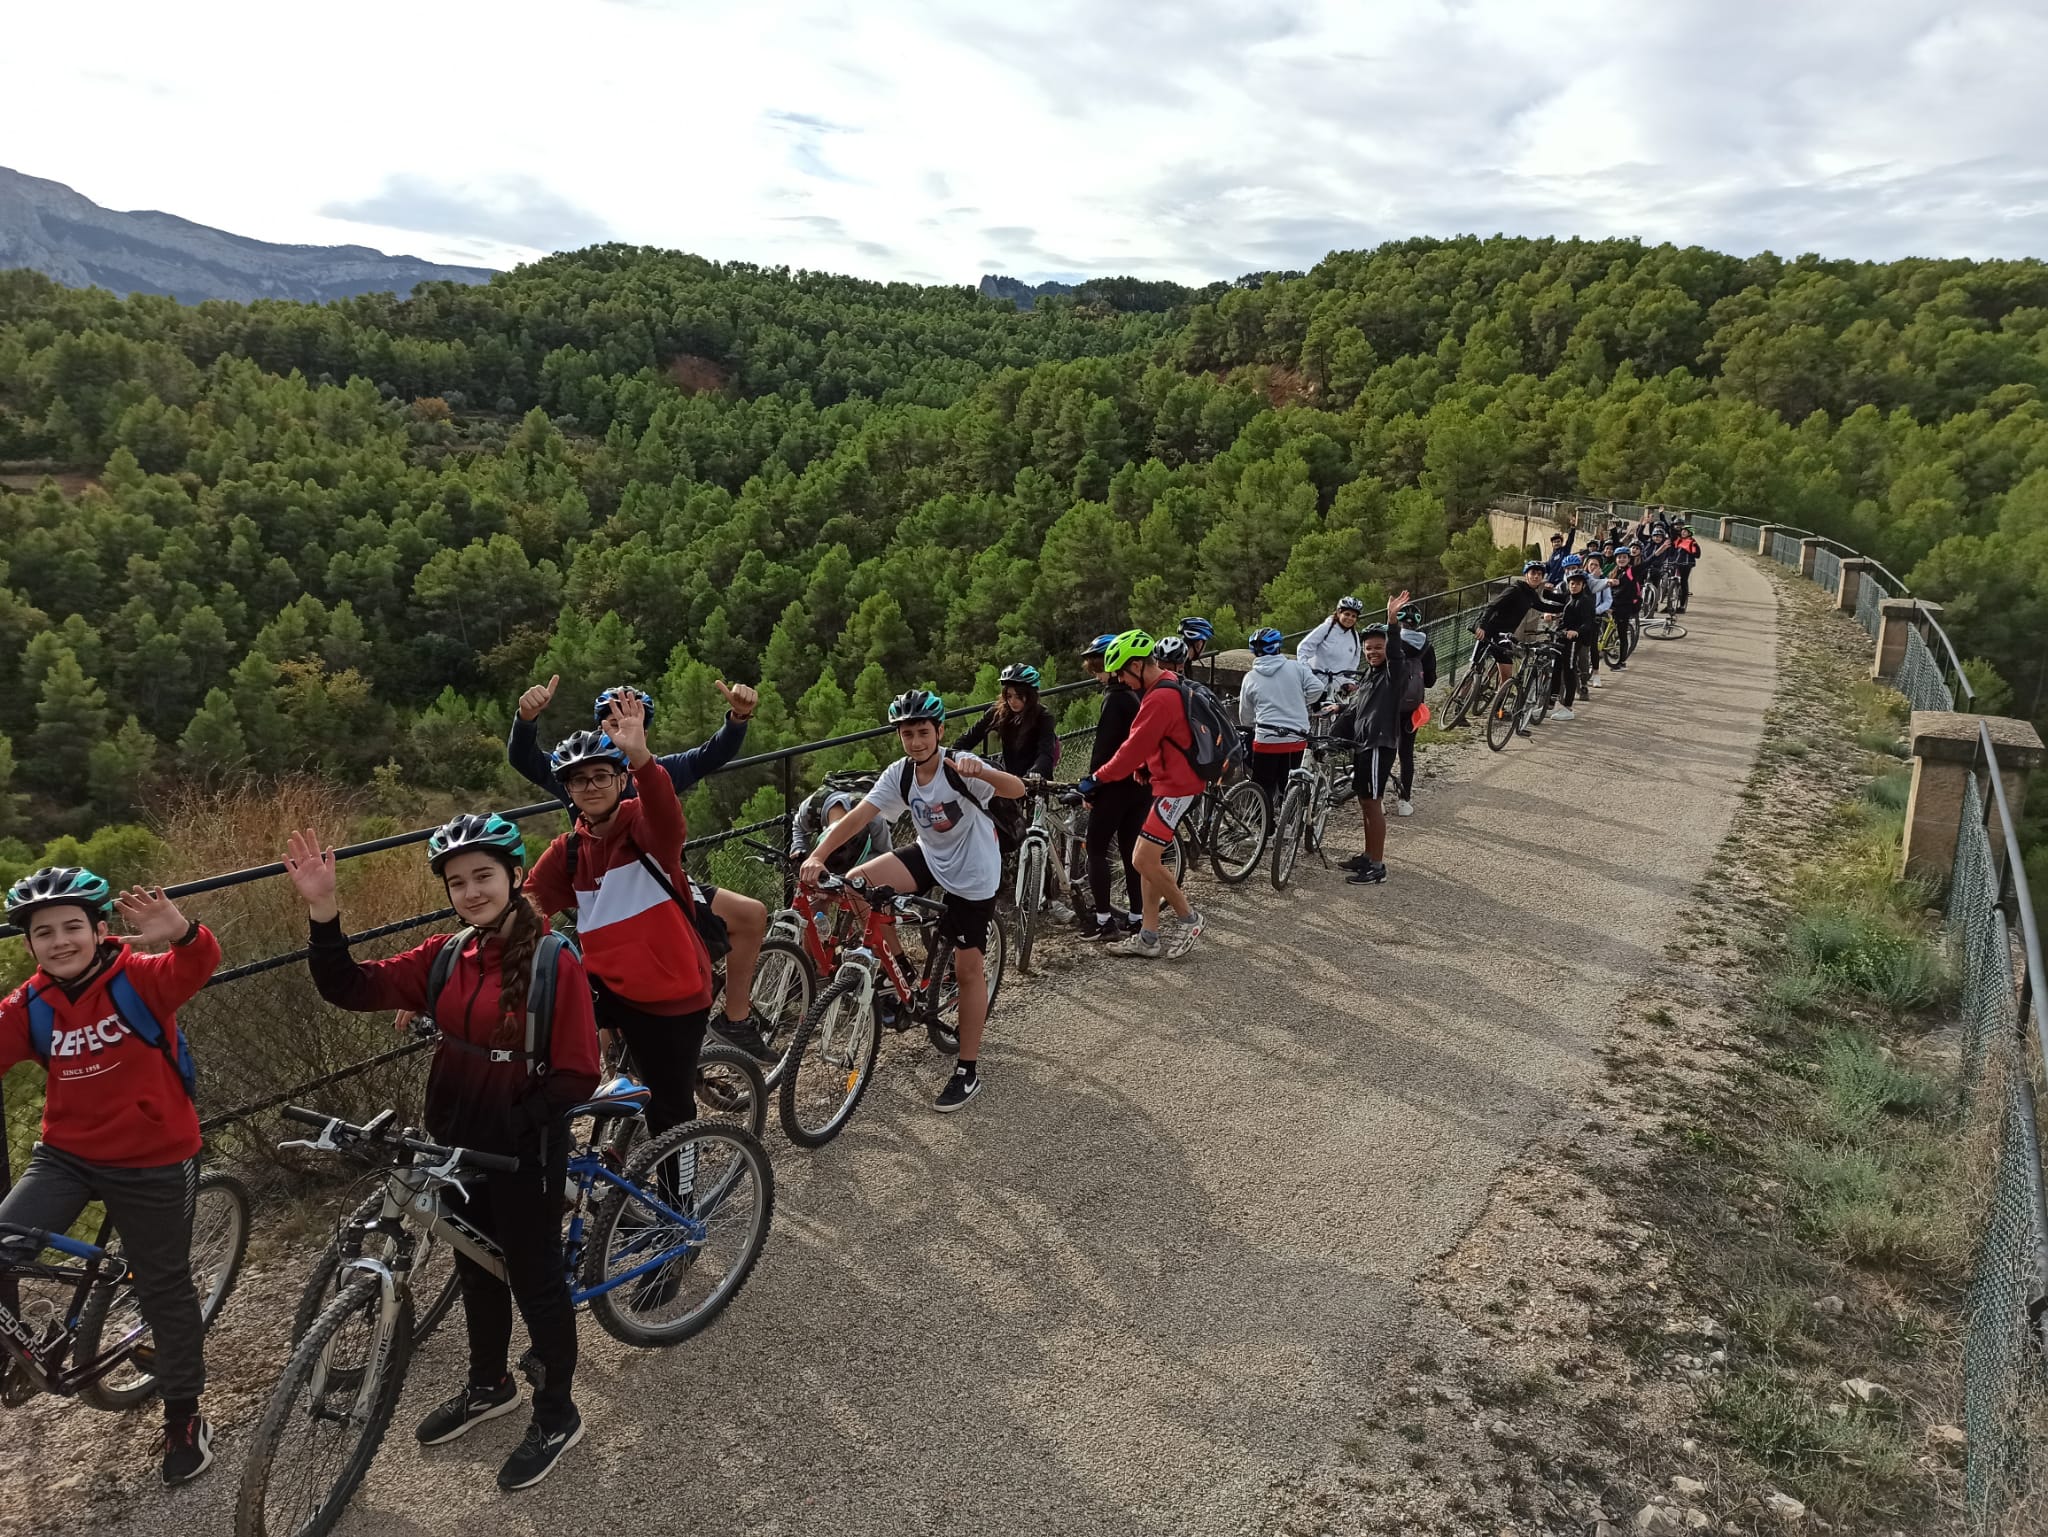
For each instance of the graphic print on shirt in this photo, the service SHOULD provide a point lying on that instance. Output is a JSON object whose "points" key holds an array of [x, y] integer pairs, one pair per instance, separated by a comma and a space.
{"points": [[935, 816], [68, 1047]]}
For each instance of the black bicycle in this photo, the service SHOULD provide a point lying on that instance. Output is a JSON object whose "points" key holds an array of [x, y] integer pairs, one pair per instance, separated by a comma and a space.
{"points": [[95, 1345]]}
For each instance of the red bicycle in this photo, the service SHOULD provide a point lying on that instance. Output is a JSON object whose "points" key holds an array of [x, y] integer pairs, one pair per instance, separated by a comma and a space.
{"points": [[834, 1050]]}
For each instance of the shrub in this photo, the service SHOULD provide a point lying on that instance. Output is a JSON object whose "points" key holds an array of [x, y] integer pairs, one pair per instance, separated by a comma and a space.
{"points": [[1890, 791]]}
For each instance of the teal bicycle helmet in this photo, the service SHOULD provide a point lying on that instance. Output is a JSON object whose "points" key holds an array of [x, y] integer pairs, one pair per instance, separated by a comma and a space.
{"points": [[58, 886], [917, 704], [469, 833]]}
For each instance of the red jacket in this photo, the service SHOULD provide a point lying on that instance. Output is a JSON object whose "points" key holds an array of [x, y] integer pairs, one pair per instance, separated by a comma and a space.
{"points": [[112, 1098], [1158, 743], [636, 941], [495, 1107]]}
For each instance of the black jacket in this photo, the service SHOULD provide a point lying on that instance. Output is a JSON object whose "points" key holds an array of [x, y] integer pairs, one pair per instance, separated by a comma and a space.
{"points": [[1375, 715], [1030, 742], [1504, 615], [1579, 613]]}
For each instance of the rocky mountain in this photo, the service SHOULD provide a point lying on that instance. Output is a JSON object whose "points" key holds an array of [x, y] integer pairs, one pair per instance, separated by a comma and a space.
{"points": [[1023, 295], [69, 237]]}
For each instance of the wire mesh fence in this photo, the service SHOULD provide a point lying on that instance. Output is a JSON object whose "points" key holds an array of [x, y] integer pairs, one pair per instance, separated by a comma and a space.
{"points": [[1870, 596], [1919, 677], [1827, 570], [1743, 535], [1784, 549]]}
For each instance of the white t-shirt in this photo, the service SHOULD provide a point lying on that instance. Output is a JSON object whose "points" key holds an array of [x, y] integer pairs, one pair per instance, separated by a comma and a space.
{"points": [[959, 844]]}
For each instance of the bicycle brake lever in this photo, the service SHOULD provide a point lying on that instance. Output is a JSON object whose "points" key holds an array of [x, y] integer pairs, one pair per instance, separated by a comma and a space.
{"points": [[445, 1172], [324, 1143]]}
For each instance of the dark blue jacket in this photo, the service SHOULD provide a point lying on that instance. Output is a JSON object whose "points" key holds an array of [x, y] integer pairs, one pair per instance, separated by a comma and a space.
{"points": [[1553, 568], [685, 768]]}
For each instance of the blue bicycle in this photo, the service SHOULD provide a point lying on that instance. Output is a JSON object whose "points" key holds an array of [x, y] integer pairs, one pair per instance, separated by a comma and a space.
{"points": [[656, 1249]]}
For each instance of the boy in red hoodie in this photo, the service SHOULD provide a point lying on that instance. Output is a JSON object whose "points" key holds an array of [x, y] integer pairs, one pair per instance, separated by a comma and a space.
{"points": [[1158, 746], [119, 1126]]}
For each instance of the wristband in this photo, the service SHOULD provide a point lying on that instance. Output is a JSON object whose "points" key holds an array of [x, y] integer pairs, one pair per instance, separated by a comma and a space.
{"points": [[191, 933]]}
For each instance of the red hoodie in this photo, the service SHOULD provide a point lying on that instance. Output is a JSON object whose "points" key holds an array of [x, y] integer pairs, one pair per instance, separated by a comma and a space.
{"points": [[636, 941], [1158, 743], [112, 1098]]}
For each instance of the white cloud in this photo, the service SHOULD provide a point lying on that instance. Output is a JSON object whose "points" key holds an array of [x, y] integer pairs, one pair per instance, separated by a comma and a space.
{"points": [[940, 139]]}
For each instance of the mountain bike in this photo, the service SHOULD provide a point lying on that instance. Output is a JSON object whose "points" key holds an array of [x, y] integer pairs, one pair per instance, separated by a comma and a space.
{"points": [[783, 982], [833, 1055], [1664, 627], [94, 1345], [1535, 678], [1304, 813], [729, 1090], [656, 1250], [1480, 689], [1228, 822], [1610, 641], [1050, 862]]}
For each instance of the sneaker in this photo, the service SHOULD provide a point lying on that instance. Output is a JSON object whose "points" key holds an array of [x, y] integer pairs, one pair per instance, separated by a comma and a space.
{"points": [[1088, 926], [469, 1408], [1139, 943], [1354, 862], [1561, 713], [1595, 683], [1368, 874], [959, 1089], [1185, 934], [537, 1455], [1404, 808], [1059, 912], [747, 1035], [1618, 667], [187, 1447]]}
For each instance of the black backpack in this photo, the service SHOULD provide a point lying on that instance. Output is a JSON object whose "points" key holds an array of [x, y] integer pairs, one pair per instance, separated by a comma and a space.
{"points": [[1005, 812], [1214, 742], [540, 997]]}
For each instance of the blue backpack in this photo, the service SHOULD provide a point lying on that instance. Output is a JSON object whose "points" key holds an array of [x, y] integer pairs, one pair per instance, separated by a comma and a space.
{"points": [[135, 1014]]}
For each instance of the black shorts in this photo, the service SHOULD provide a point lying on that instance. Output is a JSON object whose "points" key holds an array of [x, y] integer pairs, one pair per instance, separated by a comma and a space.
{"points": [[1370, 771], [710, 927], [963, 920]]}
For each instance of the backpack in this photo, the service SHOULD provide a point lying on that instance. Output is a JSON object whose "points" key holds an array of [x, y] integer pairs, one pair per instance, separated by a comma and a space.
{"points": [[133, 1012], [540, 996], [1214, 743], [1007, 814]]}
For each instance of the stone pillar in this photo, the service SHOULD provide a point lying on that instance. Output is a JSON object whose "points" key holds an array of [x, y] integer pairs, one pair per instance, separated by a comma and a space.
{"points": [[1809, 551], [1723, 536], [1946, 755], [1898, 616], [1853, 567], [1763, 536]]}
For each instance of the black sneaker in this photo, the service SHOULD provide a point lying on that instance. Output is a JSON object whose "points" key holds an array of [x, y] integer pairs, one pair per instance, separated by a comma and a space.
{"points": [[466, 1410], [1367, 874], [1088, 926], [959, 1089], [1355, 862], [748, 1036], [188, 1448], [537, 1455]]}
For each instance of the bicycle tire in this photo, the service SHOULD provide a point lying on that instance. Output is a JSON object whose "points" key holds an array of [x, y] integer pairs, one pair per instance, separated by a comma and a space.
{"points": [[362, 1298], [1240, 817], [1464, 694], [1610, 643], [946, 1012], [731, 1089], [1321, 798], [613, 1309], [1664, 630], [785, 983], [328, 1279], [115, 1393], [1031, 866], [1504, 714], [1542, 677], [853, 1044], [1287, 831]]}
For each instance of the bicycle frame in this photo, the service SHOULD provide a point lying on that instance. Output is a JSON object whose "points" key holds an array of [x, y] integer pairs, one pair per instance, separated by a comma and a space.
{"points": [[43, 1359]]}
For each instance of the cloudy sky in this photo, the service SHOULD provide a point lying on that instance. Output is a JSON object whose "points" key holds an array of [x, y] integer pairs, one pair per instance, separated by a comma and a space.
{"points": [[940, 139]]}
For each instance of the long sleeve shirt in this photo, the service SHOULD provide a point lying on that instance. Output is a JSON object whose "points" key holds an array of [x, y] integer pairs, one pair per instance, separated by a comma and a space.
{"points": [[1331, 652], [685, 768], [1113, 725], [1030, 741], [1504, 615], [1159, 742]]}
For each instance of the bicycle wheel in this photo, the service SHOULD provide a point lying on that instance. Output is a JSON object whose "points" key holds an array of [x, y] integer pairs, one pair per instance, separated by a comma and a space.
{"points": [[1664, 629], [432, 1274], [1610, 642], [1539, 702], [327, 1416], [946, 1011], [1237, 832], [718, 1179], [831, 1061], [731, 1090], [1504, 714], [1322, 795], [1030, 899], [784, 984], [1463, 697], [1287, 830], [220, 1237]]}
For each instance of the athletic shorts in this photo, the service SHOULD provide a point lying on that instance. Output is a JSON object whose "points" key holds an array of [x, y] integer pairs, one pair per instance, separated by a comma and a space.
{"points": [[1370, 770], [1164, 817], [963, 920], [710, 927]]}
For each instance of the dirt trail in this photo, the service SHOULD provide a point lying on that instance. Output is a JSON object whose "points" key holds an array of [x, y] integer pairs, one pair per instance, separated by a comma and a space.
{"points": [[1149, 1278]]}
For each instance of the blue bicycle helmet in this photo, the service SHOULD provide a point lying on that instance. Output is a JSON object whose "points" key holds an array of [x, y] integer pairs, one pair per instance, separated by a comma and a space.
{"points": [[1573, 562], [582, 747], [468, 833], [612, 696], [917, 704], [1195, 628], [1099, 646], [1267, 642]]}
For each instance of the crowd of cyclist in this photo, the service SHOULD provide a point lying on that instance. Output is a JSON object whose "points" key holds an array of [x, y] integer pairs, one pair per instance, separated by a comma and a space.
{"points": [[119, 1124]]}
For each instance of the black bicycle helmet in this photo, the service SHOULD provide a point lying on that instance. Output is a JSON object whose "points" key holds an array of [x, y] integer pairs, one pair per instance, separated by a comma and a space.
{"points": [[917, 704], [58, 886], [470, 833], [581, 747]]}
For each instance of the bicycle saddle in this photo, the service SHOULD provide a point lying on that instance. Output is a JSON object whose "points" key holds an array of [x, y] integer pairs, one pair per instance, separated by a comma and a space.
{"points": [[616, 1096]]}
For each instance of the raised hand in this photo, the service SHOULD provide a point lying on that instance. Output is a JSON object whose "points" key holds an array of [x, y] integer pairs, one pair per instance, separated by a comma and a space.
{"points": [[151, 916], [537, 698], [741, 700], [1396, 603], [310, 864], [626, 725]]}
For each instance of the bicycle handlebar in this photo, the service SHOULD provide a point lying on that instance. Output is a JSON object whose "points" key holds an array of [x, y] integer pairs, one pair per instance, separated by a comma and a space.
{"points": [[448, 1157], [42, 1238], [883, 896]]}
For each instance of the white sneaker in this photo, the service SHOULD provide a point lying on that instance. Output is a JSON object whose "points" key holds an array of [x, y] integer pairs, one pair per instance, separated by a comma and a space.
{"points": [[1561, 713], [1404, 808], [1596, 683]]}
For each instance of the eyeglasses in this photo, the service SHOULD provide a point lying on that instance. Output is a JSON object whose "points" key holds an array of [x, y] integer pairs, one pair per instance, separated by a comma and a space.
{"points": [[596, 779]]}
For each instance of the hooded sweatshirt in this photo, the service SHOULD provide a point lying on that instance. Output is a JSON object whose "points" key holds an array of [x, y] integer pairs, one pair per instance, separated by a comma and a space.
{"points": [[1274, 700], [1374, 717], [1331, 653], [1158, 743], [112, 1098]]}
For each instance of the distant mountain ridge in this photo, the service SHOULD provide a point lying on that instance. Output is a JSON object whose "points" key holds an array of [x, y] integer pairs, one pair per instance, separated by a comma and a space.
{"points": [[70, 238]]}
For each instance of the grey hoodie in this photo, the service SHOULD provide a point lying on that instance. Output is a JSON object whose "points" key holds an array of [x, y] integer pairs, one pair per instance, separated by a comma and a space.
{"points": [[1274, 698]]}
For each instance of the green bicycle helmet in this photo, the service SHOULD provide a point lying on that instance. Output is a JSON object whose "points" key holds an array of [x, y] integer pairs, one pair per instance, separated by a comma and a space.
{"points": [[917, 704], [469, 833], [58, 886], [1131, 646]]}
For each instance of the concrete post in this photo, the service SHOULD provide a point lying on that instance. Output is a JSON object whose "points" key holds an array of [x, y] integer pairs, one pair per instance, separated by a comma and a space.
{"points": [[1763, 536], [1853, 567], [1898, 615], [1945, 757], [1724, 529], [1809, 551]]}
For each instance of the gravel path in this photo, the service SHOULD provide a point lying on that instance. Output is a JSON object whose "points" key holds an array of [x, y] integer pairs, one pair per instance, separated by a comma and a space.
{"points": [[1143, 1283]]}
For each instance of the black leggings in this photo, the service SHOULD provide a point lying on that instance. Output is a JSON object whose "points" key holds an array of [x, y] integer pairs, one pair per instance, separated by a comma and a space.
{"points": [[1625, 624], [1684, 585], [522, 1214], [1406, 776], [664, 1048], [1270, 771], [1119, 811]]}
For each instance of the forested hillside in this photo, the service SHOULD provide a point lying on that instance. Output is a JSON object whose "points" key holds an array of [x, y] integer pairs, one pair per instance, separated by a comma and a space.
{"points": [[342, 538]]}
